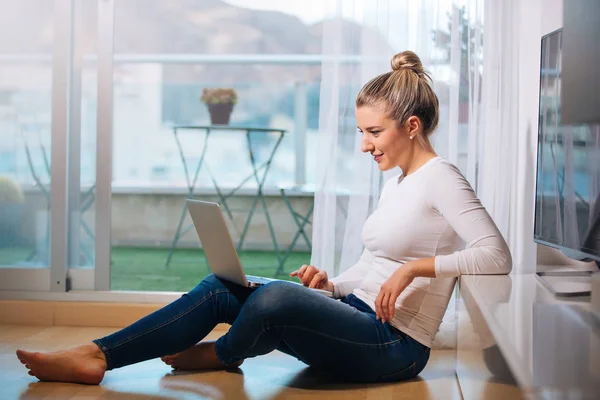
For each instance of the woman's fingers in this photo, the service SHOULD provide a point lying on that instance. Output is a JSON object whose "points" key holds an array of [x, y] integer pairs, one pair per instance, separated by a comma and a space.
{"points": [[384, 307], [318, 280], [392, 306], [302, 270], [300, 273], [378, 305], [314, 282], [309, 274], [304, 275]]}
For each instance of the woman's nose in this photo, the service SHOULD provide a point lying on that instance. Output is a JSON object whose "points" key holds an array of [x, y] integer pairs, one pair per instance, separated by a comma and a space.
{"points": [[365, 145]]}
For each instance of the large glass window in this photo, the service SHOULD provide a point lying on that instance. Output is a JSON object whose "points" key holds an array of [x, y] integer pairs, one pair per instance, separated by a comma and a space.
{"points": [[164, 57], [25, 135]]}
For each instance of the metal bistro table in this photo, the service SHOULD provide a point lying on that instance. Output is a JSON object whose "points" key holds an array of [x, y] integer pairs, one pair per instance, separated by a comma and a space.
{"points": [[223, 196]]}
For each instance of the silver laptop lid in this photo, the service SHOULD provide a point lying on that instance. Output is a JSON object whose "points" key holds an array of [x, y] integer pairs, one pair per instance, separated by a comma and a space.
{"points": [[216, 241]]}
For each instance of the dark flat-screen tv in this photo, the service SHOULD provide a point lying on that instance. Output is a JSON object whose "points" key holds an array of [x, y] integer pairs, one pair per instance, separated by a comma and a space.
{"points": [[567, 206]]}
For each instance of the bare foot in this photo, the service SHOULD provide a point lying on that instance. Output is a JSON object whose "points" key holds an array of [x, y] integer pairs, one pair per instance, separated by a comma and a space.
{"points": [[200, 356], [83, 364]]}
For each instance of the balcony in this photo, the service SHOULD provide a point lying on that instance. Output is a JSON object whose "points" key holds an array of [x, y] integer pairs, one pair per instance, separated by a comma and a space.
{"points": [[148, 185]]}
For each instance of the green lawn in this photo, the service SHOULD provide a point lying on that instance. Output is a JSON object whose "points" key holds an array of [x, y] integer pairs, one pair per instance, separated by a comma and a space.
{"points": [[143, 269]]}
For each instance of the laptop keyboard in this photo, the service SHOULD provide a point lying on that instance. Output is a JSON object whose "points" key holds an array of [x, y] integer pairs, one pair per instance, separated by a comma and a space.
{"points": [[258, 279], [263, 281]]}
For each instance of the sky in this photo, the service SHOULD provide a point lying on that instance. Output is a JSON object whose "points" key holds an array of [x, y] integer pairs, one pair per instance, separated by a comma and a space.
{"points": [[416, 16], [309, 11]]}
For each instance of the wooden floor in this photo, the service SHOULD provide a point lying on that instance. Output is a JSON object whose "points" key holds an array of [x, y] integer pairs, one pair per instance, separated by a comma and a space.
{"points": [[275, 376]]}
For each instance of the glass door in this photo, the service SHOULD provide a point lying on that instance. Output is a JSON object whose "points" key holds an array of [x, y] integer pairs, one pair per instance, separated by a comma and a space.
{"points": [[32, 109], [55, 130]]}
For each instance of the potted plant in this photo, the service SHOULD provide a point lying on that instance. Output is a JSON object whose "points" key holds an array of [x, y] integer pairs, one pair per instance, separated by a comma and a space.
{"points": [[11, 209], [220, 103]]}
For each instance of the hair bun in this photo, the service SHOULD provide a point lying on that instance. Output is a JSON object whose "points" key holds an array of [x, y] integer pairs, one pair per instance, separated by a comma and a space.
{"points": [[409, 60]]}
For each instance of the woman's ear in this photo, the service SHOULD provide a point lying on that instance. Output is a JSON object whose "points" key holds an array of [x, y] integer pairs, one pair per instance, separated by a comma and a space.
{"points": [[413, 126]]}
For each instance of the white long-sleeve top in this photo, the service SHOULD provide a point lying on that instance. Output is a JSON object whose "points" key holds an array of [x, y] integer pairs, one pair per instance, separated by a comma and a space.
{"points": [[432, 212]]}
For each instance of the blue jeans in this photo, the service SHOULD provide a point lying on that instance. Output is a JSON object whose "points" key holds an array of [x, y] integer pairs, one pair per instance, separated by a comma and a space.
{"points": [[342, 339]]}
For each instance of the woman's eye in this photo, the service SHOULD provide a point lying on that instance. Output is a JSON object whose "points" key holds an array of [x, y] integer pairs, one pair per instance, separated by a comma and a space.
{"points": [[375, 132]]}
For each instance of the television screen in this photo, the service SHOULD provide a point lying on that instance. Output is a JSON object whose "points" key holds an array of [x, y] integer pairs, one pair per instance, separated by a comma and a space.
{"points": [[567, 214]]}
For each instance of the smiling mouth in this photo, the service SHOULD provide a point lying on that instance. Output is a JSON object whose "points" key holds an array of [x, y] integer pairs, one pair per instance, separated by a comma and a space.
{"points": [[377, 157]]}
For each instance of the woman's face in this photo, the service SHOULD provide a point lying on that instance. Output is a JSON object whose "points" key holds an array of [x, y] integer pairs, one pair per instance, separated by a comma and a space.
{"points": [[390, 146]]}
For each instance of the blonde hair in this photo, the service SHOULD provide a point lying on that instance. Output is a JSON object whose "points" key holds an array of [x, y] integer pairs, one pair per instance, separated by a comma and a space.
{"points": [[403, 92]]}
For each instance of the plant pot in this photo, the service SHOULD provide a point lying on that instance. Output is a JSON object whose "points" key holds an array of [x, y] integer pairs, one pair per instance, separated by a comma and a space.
{"points": [[10, 223], [220, 113]]}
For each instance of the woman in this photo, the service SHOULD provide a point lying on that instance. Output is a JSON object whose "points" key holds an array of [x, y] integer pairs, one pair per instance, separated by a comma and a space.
{"points": [[386, 309]]}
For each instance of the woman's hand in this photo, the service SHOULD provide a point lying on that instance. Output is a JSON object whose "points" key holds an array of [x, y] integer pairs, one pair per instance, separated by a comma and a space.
{"points": [[385, 303], [312, 277]]}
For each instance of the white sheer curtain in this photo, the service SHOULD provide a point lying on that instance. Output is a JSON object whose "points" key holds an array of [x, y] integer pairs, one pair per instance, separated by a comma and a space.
{"points": [[447, 36]]}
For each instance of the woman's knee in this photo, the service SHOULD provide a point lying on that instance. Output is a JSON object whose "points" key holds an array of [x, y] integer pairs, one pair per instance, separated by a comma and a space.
{"points": [[211, 280], [213, 284], [273, 297], [209, 283]]}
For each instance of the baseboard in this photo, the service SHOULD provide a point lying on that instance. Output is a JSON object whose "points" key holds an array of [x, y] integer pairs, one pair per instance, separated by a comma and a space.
{"points": [[69, 313]]}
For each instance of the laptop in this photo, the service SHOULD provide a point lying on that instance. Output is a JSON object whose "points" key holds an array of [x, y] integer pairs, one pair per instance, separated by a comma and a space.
{"points": [[219, 249]]}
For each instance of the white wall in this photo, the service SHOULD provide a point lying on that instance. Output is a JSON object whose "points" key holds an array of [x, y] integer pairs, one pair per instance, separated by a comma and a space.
{"points": [[552, 15]]}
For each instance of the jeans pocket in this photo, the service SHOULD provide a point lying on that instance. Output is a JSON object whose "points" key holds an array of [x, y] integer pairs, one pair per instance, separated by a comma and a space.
{"points": [[404, 374]]}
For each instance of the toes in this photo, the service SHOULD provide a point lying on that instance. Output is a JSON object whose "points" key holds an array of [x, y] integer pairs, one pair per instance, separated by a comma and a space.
{"points": [[27, 357], [23, 353]]}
